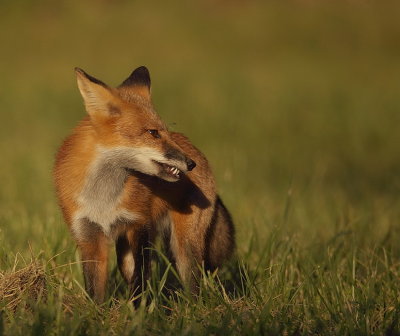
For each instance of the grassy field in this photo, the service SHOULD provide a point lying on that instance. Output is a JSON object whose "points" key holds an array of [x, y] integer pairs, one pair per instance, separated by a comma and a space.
{"points": [[296, 105]]}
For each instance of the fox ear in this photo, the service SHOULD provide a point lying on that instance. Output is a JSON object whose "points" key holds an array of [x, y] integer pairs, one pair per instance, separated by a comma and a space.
{"points": [[96, 95], [139, 81]]}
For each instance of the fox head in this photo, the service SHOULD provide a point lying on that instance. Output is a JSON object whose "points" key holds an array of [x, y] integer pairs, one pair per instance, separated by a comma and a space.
{"points": [[127, 128]]}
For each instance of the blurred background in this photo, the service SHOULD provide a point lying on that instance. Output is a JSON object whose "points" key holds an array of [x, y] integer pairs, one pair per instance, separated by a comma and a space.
{"points": [[295, 104]]}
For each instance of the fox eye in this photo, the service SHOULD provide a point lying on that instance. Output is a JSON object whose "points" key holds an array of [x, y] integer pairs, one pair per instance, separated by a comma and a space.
{"points": [[154, 133]]}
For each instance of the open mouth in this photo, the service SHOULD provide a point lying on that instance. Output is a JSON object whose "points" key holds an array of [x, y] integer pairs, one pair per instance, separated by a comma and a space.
{"points": [[170, 170]]}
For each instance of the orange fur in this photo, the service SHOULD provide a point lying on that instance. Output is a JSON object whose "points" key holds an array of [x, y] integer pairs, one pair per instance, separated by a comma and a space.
{"points": [[122, 176]]}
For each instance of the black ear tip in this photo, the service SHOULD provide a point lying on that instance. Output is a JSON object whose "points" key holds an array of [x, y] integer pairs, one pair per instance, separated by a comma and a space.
{"points": [[139, 76], [142, 70], [79, 70], [87, 76]]}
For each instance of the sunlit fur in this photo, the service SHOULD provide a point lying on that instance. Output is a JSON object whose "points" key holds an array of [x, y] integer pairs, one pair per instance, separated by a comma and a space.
{"points": [[114, 183]]}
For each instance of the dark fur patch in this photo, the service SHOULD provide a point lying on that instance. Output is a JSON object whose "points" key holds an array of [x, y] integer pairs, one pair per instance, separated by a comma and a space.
{"points": [[113, 109], [173, 154]]}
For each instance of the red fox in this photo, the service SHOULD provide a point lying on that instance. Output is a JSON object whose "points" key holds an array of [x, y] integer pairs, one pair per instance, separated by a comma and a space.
{"points": [[122, 177]]}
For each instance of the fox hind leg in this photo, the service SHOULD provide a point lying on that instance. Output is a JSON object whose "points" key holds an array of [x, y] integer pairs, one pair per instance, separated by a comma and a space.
{"points": [[205, 237], [187, 246]]}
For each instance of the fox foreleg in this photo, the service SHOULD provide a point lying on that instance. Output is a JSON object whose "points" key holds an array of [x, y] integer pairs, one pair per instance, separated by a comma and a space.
{"points": [[133, 257], [93, 247]]}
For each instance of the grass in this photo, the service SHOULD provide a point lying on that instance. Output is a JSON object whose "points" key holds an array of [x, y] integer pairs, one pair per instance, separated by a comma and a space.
{"points": [[295, 104]]}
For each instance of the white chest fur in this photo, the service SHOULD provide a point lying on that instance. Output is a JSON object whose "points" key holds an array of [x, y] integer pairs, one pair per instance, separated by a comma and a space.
{"points": [[101, 196]]}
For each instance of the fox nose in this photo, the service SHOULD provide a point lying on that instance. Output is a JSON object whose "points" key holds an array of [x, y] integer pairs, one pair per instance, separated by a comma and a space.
{"points": [[190, 164]]}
